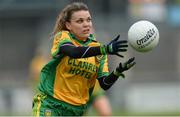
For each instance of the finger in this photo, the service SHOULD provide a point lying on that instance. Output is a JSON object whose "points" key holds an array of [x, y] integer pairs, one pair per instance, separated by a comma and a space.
{"points": [[116, 38], [122, 41], [119, 55], [131, 60], [131, 64], [120, 46], [121, 50]]}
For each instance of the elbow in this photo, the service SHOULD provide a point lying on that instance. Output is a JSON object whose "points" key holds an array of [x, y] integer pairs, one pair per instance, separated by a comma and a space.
{"points": [[105, 87]]}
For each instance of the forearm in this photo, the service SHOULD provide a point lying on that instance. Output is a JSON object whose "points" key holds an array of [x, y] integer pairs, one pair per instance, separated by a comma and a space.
{"points": [[82, 51], [107, 81]]}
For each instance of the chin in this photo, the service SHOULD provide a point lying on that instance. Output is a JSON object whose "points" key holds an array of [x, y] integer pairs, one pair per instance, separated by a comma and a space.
{"points": [[85, 36]]}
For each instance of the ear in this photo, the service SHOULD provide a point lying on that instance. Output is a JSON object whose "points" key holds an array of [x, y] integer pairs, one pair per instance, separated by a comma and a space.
{"points": [[68, 25]]}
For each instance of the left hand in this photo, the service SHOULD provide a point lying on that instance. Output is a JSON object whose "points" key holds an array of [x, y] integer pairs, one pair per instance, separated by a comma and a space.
{"points": [[125, 66]]}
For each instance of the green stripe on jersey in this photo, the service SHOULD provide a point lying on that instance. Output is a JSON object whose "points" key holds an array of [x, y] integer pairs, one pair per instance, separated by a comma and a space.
{"points": [[47, 76]]}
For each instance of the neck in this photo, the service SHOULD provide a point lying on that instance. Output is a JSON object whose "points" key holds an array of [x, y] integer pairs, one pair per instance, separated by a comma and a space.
{"points": [[80, 38]]}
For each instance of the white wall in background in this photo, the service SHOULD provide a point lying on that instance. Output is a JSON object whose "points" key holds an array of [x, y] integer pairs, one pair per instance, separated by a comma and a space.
{"points": [[153, 97]]}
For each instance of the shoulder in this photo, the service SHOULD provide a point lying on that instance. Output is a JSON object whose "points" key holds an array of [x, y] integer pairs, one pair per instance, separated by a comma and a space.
{"points": [[61, 37], [62, 34]]}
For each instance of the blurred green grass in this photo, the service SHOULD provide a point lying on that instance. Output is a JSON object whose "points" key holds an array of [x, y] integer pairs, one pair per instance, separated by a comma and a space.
{"points": [[92, 112], [146, 113]]}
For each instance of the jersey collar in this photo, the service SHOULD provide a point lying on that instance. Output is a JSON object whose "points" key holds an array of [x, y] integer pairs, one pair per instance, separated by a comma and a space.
{"points": [[89, 39]]}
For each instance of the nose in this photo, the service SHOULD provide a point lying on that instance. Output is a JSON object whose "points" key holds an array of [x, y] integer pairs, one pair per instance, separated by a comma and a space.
{"points": [[86, 23]]}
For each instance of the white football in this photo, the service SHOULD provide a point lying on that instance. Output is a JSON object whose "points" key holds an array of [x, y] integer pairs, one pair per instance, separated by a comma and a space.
{"points": [[143, 36]]}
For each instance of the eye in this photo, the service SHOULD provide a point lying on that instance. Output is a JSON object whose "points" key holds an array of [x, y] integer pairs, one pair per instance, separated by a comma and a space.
{"points": [[89, 20], [80, 21]]}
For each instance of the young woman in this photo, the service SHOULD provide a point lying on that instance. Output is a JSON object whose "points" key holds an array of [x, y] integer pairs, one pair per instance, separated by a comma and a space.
{"points": [[67, 81]]}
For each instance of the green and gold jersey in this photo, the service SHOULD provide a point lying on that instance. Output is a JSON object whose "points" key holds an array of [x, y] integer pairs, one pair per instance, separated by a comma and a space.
{"points": [[68, 79]]}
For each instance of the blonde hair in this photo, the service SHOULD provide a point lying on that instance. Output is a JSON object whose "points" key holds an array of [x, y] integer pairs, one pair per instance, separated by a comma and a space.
{"points": [[65, 15]]}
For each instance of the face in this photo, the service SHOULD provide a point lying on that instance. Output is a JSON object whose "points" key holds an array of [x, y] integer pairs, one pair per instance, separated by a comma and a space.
{"points": [[80, 24]]}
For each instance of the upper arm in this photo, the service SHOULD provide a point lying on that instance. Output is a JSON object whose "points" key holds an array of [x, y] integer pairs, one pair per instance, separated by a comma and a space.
{"points": [[70, 50]]}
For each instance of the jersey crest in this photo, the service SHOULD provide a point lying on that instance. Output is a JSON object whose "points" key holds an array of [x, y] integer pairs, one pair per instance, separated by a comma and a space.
{"points": [[98, 58]]}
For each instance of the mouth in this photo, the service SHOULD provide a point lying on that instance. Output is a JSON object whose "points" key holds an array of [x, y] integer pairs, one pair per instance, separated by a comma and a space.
{"points": [[86, 31]]}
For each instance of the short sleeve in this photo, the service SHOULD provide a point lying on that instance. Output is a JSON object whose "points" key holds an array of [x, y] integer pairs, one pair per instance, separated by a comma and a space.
{"points": [[59, 39]]}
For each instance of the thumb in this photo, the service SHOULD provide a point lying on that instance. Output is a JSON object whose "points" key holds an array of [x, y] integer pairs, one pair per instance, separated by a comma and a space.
{"points": [[115, 39]]}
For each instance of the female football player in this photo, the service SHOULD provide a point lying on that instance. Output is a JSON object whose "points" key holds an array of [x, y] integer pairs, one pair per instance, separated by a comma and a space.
{"points": [[78, 59]]}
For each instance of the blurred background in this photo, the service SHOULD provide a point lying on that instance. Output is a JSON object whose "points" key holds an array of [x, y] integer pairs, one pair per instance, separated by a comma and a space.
{"points": [[152, 87]]}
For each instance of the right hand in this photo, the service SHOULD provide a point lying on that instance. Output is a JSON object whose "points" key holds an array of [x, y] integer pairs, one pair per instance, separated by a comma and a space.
{"points": [[116, 46]]}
